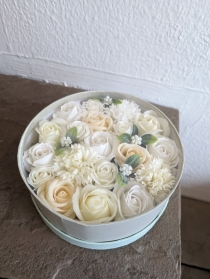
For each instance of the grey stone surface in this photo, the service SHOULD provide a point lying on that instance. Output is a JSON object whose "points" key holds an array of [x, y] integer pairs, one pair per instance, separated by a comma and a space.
{"points": [[29, 249]]}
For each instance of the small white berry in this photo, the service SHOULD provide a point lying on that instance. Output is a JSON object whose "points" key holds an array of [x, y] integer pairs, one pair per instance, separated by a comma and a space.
{"points": [[66, 141], [136, 140], [126, 169], [108, 100]]}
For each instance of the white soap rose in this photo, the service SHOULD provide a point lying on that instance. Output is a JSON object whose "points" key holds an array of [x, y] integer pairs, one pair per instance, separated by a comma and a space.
{"points": [[51, 130], [40, 154], [82, 129], [94, 205], [104, 143], [105, 174], [57, 193], [70, 111], [121, 127], [40, 175], [92, 105], [133, 200], [150, 123], [166, 149]]}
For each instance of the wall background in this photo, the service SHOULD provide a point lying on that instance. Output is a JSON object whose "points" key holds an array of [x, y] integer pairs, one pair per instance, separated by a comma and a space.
{"points": [[157, 50]]}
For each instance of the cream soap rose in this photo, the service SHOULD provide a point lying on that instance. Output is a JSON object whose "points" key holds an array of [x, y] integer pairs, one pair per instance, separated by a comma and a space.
{"points": [[149, 123], [126, 150], [57, 193], [94, 205], [51, 130], [105, 174], [98, 121]]}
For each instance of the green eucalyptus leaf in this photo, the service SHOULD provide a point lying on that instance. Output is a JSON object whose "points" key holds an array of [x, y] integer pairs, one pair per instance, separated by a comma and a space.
{"points": [[124, 138], [134, 130], [148, 139], [121, 179], [72, 133], [133, 161], [59, 149], [116, 101]]}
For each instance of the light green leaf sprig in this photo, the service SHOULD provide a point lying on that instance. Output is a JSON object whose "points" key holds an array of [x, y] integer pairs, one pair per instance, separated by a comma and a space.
{"points": [[71, 136], [148, 139], [133, 160]]}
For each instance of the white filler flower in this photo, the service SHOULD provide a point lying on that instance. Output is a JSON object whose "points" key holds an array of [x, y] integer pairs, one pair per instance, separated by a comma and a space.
{"points": [[136, 140], [66, 141], [107, 100], [126, 169]]}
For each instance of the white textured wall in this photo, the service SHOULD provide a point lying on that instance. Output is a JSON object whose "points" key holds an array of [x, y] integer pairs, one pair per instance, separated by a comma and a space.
{"points": [[156, 50]]}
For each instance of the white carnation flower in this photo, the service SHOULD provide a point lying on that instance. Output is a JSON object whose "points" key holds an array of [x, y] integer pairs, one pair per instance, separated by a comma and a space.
{"points": [[78, 162], [126, 111], [156, 176]]}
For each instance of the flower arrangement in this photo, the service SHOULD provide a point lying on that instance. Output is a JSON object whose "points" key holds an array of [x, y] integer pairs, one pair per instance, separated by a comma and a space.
{"points": [[102, 160]]}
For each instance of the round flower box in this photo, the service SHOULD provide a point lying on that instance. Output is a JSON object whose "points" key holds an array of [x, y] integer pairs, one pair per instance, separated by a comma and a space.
{"points": [[105, 232]]}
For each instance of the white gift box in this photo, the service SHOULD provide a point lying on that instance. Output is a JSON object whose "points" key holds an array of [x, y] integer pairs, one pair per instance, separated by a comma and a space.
{"points": [[105, 232]]}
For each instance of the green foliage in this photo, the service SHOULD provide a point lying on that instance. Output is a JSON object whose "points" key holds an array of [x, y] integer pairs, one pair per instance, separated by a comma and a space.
{"points": [[133, 161]]}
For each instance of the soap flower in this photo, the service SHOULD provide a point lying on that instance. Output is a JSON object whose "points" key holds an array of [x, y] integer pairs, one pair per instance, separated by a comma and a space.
{"points": [[40, 175], [40, 154], [105, 174], [156, 176], [98, 121], [166, 149], [104, 143], [149, 123], [94, 205], [57, 194], [82, 129], [51, 130], [126, 111], [70, 111], [76, 163], [125, 150], [133, 200], [93, 105]]}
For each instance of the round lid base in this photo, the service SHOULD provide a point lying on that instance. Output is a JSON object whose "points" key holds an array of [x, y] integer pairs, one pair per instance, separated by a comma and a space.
{"points": [[100, 245]]}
